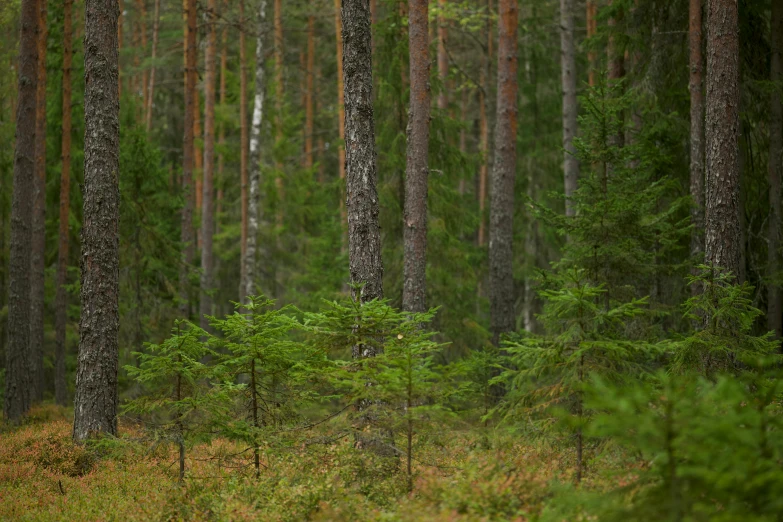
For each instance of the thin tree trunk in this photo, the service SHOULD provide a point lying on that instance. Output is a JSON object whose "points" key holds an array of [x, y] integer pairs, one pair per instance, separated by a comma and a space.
{"points": [[463, 135], [616, 72], [243, 152], [188, 158], [364, 238], [568, 83], [17, 378], [309, 91], [220, 180], [501, 275], [95, 409], [443, 59], [697, 131], [723, 238], [141, 5], [208, 196], [119, 45], [61, 298], [37, 264], [278, 28], [774, 305], [592, 27], [198, 158], [340, 113], [414, 290], [151, 91], [484, 130], [248, 284]]}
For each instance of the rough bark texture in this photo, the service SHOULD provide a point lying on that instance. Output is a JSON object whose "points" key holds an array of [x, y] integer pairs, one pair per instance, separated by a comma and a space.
{"points": [[95, 409], [208, 196], [364, 237], [443, 58], [61, 298], [591, 30], [309, 92], [697, 129], [338, 24], [414, 290], [188, 158], [17, 366], [501, 275], [774, 306], [243, 148], [484, 132], [568, 84], [38, 252], [723, 238], [248, 284], [151, 91]]}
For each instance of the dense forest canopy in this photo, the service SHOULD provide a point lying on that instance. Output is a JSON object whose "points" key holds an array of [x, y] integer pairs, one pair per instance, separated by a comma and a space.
{"points": [[539, 227]]}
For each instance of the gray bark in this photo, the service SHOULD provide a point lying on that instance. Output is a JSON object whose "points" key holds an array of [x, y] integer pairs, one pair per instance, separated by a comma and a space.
{"points": [[414, 290], [723, 238], [207, 186], [17, 377], [95, 409], [697, 130], [501, 212], [774, 305], [568, 84]]}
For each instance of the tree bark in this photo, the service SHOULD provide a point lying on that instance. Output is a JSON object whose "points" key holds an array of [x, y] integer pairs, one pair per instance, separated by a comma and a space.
{"points": [[723, 238], [188, 158], [279, 90], [248, 284], [414, 290], [443, 59], [501, 274], [37, 263], [141, 5], [243, 145], [338, 24], [364, 237], [774, 305], [95, 409], [151, 90], [616, 57], [309, 91], [568, 83], [484, 130], [208, 196], [61, 298], [697, 130], [592, 27], [17, 377]]}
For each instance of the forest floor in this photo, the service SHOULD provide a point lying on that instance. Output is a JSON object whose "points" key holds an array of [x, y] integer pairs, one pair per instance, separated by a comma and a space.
{"points": [[459, 475]]}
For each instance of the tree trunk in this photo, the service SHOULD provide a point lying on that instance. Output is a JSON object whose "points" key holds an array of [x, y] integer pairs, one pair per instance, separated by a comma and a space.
{"points": [[723, 234], [592, 27], [248, 284], [243, 146], [414, 290], [188, 158], [364, 237], [37, 263], [309, 91], [338, 24], [484, 130], [208, 196], [697, 130], [151, 91], [198, 158], [141, 5], [501, 274], [95, 409], [17, 378], [443, 59], [279, 96], [119, 46], [61, 299], [774, 306], [568, 83], [616, 58]]}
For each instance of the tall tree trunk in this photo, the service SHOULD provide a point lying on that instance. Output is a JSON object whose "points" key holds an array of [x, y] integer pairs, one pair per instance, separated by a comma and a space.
{"points": [[95, 409], [697, 130], [243, 148], [414, 290], [616, 57], [309, 91], [17, 378], [338, 24], [37, 264], [141, 5], [568, 83], [501, 274], [364, 237], [61, 298], [188, 158], [208, 196], [723, 238], [592, 27], [774, 305], [484, 129], [278, 23], [443, 59], [151, 91], [248, 284], [198, 158], [119, 45]]}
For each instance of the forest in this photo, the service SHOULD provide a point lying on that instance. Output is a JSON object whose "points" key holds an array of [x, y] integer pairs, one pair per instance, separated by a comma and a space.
{"points": [[458, 260]]}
